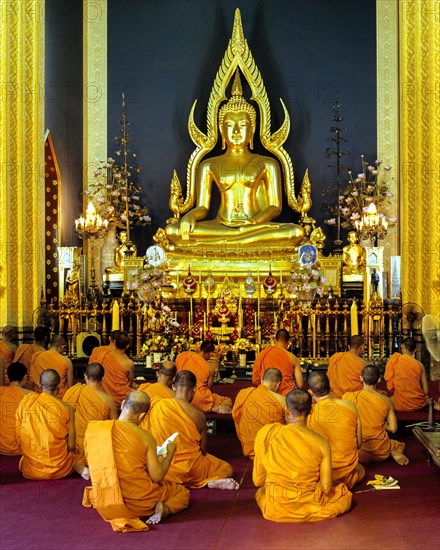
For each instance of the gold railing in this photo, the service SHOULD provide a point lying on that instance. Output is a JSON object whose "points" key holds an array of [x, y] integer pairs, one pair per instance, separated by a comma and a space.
{"points": [[318, 328]]}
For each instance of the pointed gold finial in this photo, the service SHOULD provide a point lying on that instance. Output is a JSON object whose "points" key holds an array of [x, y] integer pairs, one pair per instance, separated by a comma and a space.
{"points": [[237, 88], [238, 42]]}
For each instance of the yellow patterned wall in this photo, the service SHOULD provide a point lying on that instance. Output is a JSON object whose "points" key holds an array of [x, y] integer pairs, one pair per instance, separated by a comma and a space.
{"points": [[21, 159], [420, 152]]}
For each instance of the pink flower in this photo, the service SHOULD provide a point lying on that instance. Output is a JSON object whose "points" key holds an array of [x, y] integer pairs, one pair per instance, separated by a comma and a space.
{"points": [[361, 176], [375, 172], [368, 199], [389, 194], [323, 280], [167, 309], [370, 168], [306, 287], [355, 216], [331, 221], [354, 193], [377, 162], [147, 218], [319, 289], [387, 167], [392, 220]]}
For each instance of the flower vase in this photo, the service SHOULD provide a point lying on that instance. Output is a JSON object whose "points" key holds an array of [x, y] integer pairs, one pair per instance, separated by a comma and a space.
{"points": [[108, 248]]}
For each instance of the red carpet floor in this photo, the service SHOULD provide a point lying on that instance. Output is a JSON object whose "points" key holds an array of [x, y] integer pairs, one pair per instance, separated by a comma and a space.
{"points": [[48, 514]]}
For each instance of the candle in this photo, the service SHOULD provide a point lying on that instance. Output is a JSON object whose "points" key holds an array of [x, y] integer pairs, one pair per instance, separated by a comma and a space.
{"points": [[115, 315], [313, 329], [177, 282], [354, 319], [281, 277]]}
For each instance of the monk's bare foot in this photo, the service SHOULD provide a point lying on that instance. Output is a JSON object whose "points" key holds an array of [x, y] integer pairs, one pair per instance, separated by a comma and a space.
{"points": [[82, 470], [399, 457], [222, 409], [161, 511], [227, 484]]}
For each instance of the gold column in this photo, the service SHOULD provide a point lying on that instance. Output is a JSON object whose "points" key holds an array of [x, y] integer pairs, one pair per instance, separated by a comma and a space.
{"points": [[420, 152], [95, 95], [387, 45], [21, 160]]}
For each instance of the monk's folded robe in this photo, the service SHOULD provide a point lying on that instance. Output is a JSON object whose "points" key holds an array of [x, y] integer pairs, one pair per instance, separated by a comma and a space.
{"points": [[189, 465], [156, 390], [286, 470], [10, 398], [344, 372], [96, 353], [42, 360], [115, 381], [402, 375], [254, 408], [42, 429], [275, 358], [122, 490], [204, 399], [338, 424], [87, 406], [373, 411], [8, 356]]}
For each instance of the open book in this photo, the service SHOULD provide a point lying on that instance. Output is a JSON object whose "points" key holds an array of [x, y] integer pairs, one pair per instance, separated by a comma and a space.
{"points": [[162, 450]]}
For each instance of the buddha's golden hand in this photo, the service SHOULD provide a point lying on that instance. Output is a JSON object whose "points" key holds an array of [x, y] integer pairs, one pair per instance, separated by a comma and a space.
{"points": [[187, 225]]}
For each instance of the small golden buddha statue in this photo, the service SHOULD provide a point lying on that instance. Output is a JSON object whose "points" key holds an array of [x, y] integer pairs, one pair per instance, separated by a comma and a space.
{"points": [[120, 253], [354, 255], [249, 185], [71, 284]]}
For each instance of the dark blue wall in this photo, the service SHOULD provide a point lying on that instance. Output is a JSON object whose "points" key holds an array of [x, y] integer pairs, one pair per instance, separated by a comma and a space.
{"points": [[63, 103], [165, 54]]}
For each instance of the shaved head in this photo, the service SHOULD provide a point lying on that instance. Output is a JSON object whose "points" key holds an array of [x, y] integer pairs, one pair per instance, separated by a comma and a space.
{"points": [[299, 402], [95, 372], [167, 368], [185, 379], [272, 375], [16, 372], [49, 379], [57, 341], [282, 335], [136, 402], [319, 383], [371, 375], [356, 341]]}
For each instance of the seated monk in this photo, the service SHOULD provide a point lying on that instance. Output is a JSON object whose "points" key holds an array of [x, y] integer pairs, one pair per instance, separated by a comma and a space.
{"points": [[345, 368], [120, 251], [256, 407], [89, 402], [191, 465], [196, 362], [377, 416], [100, 349], [55, 360], [7, 351], [165, 377], [45, 429], [338, 421], [249, 187], [406, 377], [293, 469], [278, 357], [10, 397], [119, 369], [25, 352], [126, 473]]}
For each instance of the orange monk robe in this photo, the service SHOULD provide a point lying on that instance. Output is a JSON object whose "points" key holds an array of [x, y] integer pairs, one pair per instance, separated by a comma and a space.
{"points": [[42, 430], [87, 406], [10, 398], [275, 358], [7, 354], [189, 465], [286, 470], [96, 353], [204, 399], [402, 374], [254, 408], [122, 490], [115, 381], [42, 360], [156, 390], [338, 424], [373, 410], [344, 372]]}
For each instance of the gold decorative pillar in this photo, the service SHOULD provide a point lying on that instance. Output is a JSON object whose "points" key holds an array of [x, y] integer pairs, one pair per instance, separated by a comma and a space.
{"points": [[94, 97], [420, 152], [387, 45], [22, 252]]}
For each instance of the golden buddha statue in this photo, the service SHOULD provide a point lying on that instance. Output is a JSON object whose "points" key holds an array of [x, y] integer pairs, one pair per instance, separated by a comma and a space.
{"points": [[354, 255], [120, 251], [71, 284], [249, 187]]}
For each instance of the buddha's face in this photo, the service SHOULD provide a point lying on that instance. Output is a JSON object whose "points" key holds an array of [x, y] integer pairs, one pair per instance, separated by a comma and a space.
{"points": [[123, 237], [352, 237], [237, 130]]}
